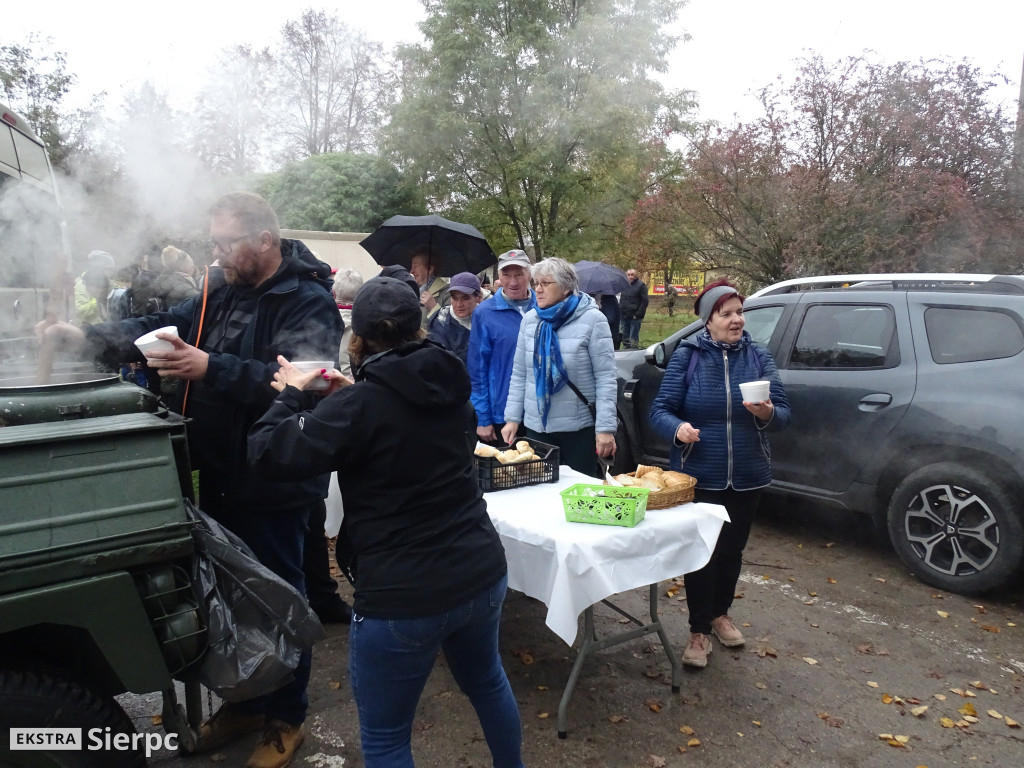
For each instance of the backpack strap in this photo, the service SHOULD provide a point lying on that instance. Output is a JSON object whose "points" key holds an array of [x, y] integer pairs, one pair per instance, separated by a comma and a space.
{"points": [[692, 366]]}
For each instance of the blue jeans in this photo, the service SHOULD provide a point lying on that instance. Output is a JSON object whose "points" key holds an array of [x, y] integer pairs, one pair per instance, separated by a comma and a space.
{"points": [[631, 329], [391, 659]]}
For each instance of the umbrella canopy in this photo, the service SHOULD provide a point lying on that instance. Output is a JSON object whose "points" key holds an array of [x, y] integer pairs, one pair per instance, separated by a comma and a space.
{"points": [[461, 247], [598, 277]]}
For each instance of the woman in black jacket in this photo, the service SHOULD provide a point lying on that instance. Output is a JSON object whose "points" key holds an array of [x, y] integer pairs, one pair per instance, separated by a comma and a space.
{"points": [[427, 565]]}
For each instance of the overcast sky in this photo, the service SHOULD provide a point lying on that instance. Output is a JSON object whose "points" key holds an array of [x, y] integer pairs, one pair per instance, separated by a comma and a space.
{"points": [[737, 46]]}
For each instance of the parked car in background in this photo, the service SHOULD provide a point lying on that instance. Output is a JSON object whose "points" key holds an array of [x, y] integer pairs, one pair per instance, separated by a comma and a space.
{"points": [[907, 393]]}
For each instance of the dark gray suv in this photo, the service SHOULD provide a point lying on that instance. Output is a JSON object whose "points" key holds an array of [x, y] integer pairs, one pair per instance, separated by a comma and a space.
{"points": [[907, 394]]}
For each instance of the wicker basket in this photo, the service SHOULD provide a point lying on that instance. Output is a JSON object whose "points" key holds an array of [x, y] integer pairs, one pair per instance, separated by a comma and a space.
{"points": [[670, 497]]}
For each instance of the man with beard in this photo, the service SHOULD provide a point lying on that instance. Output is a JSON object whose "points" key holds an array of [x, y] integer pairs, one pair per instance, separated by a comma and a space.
{"points": [[268, 297]]}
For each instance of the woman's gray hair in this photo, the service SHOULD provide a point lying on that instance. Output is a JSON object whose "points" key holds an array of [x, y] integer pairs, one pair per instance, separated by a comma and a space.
{"points": [[559, 270], [347, 282]]}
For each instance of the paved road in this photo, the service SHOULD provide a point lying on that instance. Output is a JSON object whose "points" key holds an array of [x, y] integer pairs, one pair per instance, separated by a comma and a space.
{"points": [[843, 645]]}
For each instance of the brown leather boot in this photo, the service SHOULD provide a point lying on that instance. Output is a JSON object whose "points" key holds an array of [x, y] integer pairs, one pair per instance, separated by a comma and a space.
{"points": [[226, 724], [278, 746]]}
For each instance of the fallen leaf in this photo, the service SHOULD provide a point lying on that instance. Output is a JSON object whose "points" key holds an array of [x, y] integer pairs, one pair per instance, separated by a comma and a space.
{"points": [[543, 715], [1011, 723], [880, 580], [940, 696], [970, 718], [616, 719], [1010, 624], [968, 709], [938, 597], [981, 609], [979, 685], [957, 691], [542, 687], [334, 685], [672, 592], [760, 685], [919, 711], [886, 699], [766, 577], [655, 761], [810, 661], [792, 579], [990, 628], [654, 706], [902, 739], [756, 722], [812, 594], [946, 722], [970, 695], [885, 736], [681, 750], [766, 650], [686, 730], [943, 614], [830, 545], [156, 719], [872, 684], [693, 743], [740, 734], [815, 626], [799, 546], [831, 581], [993, 713], [808, 602]]}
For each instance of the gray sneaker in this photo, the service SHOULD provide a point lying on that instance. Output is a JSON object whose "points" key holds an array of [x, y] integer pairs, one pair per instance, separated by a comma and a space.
{"points": [[726, 632], [698, 650]]}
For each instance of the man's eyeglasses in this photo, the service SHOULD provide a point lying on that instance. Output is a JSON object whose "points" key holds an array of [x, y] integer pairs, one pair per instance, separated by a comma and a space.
{"points": [[226, 246]]}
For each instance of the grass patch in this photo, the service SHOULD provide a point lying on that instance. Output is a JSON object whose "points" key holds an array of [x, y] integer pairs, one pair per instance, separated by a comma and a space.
{"points": [[658, 325]]}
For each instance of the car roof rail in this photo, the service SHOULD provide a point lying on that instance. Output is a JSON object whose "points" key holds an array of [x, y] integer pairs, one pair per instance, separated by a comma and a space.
{"points": [[903, 281]]}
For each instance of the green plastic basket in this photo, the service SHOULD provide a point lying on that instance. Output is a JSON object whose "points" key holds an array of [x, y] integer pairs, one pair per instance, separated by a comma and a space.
{"points": [[604, 504]]}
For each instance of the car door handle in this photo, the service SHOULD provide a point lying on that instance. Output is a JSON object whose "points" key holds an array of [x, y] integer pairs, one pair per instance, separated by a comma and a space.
{"points": [[627, 389], [875, 402]]}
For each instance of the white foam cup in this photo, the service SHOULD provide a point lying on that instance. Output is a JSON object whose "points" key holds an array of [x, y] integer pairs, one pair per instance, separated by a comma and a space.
{"points": [[755, 391], [308, 366], [149, 344]]}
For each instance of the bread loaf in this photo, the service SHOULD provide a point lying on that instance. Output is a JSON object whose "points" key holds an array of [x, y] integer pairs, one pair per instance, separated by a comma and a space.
{"points": [[651, 481], [646, 469], [627, 480], [486, 451], [676, 479]]}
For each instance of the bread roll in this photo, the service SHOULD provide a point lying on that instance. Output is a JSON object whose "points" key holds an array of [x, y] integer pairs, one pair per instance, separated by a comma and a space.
{"points": [[626, 480], [651, 481], [524, 456], [523, 447], [676, 479], [486, 451]]}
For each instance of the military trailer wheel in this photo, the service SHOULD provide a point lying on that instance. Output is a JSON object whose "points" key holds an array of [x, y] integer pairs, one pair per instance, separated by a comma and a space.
{"points": [[32, 699], [957, 528]]}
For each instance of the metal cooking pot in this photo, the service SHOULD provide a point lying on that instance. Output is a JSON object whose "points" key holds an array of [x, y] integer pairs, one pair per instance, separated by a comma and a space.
{"points": [[70, 395]]}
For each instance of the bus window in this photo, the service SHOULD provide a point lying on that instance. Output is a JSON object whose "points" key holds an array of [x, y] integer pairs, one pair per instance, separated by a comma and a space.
{"points": [[8, 157], [32, 158]]}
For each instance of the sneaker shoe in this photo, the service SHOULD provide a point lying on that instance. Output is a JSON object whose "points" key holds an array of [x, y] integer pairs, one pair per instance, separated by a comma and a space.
{"points": [[335, 611], [226, 724], [278, 746], [697, 652], [726, 632]]}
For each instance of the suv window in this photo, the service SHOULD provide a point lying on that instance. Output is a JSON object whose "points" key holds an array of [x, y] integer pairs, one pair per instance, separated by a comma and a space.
{"points": [[957, 335], [846, 336], [761, 322]]}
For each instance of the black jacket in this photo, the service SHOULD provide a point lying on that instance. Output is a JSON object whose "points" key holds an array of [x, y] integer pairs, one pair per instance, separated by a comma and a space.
{"points": [[401, 439], [295, 316], [633, 301]]}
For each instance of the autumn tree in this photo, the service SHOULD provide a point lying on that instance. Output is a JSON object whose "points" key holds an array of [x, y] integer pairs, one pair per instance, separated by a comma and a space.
{"points": [[333, 84], [340, 192], [856, 166], [539, 119], [232, 112]]}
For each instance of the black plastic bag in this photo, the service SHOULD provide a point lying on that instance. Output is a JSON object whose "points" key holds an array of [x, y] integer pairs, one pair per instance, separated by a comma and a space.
{"points": [[257, 623]]}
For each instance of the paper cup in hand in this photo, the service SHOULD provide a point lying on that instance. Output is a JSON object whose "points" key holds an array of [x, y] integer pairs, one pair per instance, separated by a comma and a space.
{"points": [[755, 391], [149, 344], [308, 366]]}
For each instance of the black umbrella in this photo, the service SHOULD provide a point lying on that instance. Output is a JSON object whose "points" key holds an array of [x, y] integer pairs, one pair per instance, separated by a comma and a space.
{"points": [[601, 278], [461, 247]]}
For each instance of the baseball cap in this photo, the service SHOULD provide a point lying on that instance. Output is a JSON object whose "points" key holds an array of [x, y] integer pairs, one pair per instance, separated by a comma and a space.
{"points": [[385, 298], [465, 282], [515, 257], [403, 274]]}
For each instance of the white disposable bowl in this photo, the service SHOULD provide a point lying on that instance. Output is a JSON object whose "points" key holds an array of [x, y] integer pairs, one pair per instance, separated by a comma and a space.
{"points": [[755, 391], [307, 366], [149, 344]]}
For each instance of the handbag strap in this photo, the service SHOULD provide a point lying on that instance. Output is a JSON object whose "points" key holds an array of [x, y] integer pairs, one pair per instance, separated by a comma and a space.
{"points": [[590, 405]]}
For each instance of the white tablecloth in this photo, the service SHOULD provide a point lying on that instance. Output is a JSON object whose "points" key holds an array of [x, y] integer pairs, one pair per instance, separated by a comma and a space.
{"points": [[571, 566]]}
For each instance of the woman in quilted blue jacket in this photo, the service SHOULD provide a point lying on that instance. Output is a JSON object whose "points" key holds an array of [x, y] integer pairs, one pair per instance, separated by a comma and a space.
{"points": [[722, 441]]}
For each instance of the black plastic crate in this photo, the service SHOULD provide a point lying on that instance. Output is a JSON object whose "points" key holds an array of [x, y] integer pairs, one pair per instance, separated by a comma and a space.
{"points": [[495, 476]]}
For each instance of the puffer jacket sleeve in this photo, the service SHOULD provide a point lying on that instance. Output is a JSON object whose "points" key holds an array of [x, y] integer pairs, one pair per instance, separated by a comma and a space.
{"points": [[515, 406], [667, 409], [602, 361]]}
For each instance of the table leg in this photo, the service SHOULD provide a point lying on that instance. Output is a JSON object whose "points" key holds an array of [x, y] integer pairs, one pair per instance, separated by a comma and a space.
{"points": [[591, 643]]}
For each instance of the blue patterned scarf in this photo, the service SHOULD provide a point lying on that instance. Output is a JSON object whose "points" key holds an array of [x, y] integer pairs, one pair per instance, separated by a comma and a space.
{"points": [[548, 369]]}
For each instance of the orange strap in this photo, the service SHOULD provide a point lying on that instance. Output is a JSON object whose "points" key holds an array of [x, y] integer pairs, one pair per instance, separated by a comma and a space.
{"points": [[199, 335]]}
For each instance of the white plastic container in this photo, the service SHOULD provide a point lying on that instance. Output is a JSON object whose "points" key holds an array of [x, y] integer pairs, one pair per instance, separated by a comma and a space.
{"points": [[149, 344], [307, 366], [755, 391]]}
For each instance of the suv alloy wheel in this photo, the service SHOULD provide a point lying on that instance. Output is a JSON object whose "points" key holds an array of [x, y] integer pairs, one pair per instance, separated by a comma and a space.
{"points": [[955, 528]]}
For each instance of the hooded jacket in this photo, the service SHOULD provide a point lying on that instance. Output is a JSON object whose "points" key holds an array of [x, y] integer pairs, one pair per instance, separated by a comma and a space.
{"points": [[295, 316], [492, 347], [447, 331], [401, 440], [733, 450], [585, 341]]}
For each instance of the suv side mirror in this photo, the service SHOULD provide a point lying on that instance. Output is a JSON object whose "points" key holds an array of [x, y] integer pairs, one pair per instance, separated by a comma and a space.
{"points": [[658, 355]]}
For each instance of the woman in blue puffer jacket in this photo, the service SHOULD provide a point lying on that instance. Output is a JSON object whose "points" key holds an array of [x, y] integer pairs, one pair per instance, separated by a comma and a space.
{"points": [[723, 442]]}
